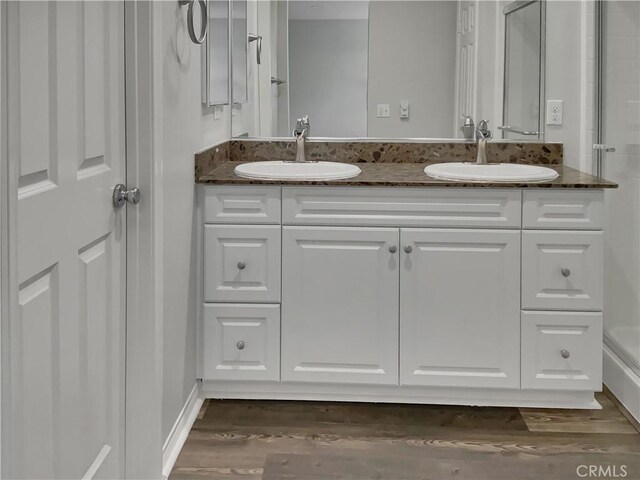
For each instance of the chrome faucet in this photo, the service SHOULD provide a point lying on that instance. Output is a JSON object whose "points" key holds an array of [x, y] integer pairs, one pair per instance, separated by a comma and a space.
{"points": [[483, 135], [300, 134]]}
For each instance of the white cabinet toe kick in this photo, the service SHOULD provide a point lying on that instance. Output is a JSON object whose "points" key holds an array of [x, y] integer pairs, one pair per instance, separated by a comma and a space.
{"points": [[447, 295]]}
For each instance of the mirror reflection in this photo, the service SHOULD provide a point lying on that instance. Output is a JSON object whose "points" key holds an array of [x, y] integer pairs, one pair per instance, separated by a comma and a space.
{"points": [[386, 68], [217, 53]]}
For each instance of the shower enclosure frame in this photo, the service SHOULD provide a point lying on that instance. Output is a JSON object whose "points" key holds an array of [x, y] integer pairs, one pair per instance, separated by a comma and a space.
{"points": [[621, 372]]}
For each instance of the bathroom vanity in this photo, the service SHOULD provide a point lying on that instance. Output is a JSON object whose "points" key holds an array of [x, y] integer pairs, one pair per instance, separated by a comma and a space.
{"points": [[447, 293]]}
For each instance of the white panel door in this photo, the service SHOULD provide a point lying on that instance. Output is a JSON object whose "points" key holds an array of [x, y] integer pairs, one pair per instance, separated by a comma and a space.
{"points": [[66, 139], [340, 305], [460, 308]]}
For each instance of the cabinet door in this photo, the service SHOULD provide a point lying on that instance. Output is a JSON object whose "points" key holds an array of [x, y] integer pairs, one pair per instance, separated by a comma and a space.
{"points": [[460, 308], [340, 305]]}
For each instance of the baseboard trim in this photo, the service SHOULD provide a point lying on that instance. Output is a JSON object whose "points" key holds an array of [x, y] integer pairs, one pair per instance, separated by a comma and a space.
{"points": [[394, 394], [180, 431], [622, 381]]}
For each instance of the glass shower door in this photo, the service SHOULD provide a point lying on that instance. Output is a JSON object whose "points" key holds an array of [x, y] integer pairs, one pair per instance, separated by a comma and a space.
{"points": [[617, 151]]}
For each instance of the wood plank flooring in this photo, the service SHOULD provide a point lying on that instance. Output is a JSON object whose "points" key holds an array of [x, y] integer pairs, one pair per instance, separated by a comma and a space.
{"points": [[273, 440]]}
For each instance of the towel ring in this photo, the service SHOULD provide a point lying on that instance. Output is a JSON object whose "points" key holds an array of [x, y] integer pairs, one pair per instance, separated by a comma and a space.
{"points": [[198, 40]]}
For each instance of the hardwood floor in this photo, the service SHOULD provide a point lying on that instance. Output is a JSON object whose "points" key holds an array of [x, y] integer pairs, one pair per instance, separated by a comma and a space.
{"points": [[272, 440]]}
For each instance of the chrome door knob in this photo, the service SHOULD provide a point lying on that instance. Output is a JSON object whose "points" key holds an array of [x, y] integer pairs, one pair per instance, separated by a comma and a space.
{"points": [[240, 345], [241, 265], [565, 272], [565, 353], [121, 195], [408, 249], [393, 249]]}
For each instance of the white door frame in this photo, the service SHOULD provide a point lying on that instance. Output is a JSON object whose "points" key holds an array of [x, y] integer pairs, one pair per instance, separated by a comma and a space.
{"points": [[143, 60], [3, 209], [143, 57]]}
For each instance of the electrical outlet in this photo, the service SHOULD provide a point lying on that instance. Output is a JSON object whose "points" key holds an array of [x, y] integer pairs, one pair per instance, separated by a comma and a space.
{"points": [[554, 112], [384, 110]]}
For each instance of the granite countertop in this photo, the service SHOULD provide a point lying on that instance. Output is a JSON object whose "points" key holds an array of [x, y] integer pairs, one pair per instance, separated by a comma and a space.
{"points": [[406, 175]]}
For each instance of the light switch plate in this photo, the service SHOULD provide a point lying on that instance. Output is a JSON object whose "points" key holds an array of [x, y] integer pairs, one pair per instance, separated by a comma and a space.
{"points": [[384, 111], [404, 109], [554, 112]]}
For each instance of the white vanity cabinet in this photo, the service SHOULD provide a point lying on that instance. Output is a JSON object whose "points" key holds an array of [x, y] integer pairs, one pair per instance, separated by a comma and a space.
{"points": [[477, 296]]}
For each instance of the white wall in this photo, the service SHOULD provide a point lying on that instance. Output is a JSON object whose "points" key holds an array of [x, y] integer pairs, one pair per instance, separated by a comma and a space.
{"points": [[328, 75], [187, 128], [417, 39]]}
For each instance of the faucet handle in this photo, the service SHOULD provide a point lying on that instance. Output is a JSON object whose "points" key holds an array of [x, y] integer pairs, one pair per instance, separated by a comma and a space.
{"points": [[299, 133], [302, 126], [483, 125], [483, 129]]}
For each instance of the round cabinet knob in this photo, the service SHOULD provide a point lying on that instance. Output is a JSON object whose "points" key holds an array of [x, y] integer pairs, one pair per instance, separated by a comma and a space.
{"points": [[393, 249], [565, 353], [241, 265], [408, 249], [565, 272], [240, 345]]}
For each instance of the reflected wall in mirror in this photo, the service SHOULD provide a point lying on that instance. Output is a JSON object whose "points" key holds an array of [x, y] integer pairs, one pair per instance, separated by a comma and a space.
{"points": [[381, 68], [239, 71], [217, 54], [524, 69]]}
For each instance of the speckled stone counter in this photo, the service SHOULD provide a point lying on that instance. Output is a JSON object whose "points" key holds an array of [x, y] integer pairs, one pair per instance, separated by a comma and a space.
{"points": [[389, 163], [405, 175]]}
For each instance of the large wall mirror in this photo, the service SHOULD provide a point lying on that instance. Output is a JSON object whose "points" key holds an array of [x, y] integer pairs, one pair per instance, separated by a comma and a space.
{"points": [[387, 68]]}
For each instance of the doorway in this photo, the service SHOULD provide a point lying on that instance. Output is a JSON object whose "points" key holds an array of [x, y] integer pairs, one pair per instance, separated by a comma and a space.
{"points": [[69, 257]]}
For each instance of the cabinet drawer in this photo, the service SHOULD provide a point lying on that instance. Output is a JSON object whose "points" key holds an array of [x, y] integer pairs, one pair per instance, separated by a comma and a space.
{"points": [[231, 204], [563, 209], [241, 263], [562, 350], [241, 342], [562, 270], [492, 208]]}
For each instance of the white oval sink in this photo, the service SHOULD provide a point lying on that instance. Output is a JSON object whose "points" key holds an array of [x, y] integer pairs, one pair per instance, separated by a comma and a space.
{"points": [[274, 170], [491, 172]]}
